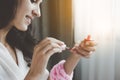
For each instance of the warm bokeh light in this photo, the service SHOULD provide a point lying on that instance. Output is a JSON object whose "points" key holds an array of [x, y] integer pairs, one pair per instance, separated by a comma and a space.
{"points": [[95, 18], [100, 19]]}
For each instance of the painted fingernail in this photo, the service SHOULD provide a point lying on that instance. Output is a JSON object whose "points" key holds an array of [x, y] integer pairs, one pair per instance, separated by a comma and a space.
{"points": [[88, 37]]}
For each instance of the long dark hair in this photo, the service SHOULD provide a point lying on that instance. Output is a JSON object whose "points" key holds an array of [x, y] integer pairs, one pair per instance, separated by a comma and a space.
{"points": [[7, 11], [21, 40]]}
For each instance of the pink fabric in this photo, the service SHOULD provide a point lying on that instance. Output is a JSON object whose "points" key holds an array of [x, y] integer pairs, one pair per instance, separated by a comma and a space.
{"points": [[58, 72]]}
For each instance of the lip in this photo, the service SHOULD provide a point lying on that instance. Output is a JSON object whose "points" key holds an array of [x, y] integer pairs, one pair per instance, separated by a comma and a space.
{"points": [[28, 19]]}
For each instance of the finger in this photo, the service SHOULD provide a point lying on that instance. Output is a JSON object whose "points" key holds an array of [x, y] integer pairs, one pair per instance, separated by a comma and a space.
{"points": [[49, 47], [90, 43], [53, 51], [76, 52], [87, 48], [43, 42], [41, 45], [88, 56], [81, 52], [48, 41]]}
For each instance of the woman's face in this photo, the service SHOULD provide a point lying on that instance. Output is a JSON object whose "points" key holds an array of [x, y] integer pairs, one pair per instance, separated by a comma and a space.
{"points": [[26, 12]]}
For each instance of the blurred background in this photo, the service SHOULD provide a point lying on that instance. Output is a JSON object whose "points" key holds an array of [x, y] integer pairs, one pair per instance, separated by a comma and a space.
{"points": [[71, 21]]}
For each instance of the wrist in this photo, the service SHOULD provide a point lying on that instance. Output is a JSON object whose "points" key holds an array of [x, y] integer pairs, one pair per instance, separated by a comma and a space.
{"points": [[33, 75], [75, 55]]}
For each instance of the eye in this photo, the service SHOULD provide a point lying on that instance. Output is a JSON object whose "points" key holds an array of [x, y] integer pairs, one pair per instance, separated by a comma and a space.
{"points": [[33, 1]]}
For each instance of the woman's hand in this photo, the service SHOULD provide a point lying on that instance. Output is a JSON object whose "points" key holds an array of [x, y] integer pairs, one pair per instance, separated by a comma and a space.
{"points": [[85, 48], [42, 53]]}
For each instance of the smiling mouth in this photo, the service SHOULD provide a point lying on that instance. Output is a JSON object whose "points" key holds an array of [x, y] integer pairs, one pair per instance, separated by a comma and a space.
{"points": [[28, 19]]}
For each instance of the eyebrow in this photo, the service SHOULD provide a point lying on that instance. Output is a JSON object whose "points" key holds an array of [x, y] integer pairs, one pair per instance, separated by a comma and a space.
{"points": [[40, 0]]}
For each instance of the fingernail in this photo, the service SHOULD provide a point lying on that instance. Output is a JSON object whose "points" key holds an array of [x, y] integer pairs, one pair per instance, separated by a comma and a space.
{"points": [[68, 48], [57, 50], [63, 47], [88, 37]]}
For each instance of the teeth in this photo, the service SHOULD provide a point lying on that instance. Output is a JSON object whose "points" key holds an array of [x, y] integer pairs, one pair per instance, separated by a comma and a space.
{"points": [[28, 18]]}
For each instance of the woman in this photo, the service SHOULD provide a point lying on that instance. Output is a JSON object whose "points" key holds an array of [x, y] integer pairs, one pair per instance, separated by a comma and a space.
{"points": [[15, 16]]}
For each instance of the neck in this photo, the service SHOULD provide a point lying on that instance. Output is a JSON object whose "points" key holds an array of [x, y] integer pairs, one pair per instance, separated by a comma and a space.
{"points": [[3, 34]]}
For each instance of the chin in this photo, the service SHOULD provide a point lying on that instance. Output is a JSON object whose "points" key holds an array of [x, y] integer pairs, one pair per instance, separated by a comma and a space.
{"points": [[23, 28]]}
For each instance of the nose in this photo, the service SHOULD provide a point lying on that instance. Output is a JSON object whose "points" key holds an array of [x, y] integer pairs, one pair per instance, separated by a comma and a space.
{"points": [[36, 12]]}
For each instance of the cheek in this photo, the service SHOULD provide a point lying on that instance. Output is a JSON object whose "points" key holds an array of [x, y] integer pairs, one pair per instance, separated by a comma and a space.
{"points": [[20, 23], [25, 7], [20, 18]]}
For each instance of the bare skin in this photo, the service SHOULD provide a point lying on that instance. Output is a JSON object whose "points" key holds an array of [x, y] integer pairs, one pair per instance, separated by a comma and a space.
{"points": [[43, 56], [47, 47], [3, 33]]}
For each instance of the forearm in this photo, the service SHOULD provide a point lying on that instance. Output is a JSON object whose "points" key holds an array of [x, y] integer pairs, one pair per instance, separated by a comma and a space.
{"points": [[83, 49], [71, 63], [31, 76], [38, 72], [37, 76]]}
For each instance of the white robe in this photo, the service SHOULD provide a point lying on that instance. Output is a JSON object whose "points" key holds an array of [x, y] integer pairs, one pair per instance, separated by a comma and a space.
{"points": [[9, 70]]}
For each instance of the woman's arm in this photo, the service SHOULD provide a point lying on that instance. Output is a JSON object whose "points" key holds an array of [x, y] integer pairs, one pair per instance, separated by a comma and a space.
{"points": [[71, 63], [84, 49], [63, 70]]}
